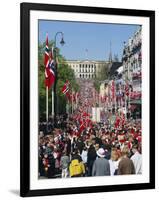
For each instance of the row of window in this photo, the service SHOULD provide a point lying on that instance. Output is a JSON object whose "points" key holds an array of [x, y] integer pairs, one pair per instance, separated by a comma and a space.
{"points": [[85, 66], [86, 70], [87, 76], [134, 65], [89, 66]]}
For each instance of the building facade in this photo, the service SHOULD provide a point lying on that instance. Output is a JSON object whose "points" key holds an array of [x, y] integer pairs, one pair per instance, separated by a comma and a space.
{"points": [[123, 91], [87, 69], [132, 70]]}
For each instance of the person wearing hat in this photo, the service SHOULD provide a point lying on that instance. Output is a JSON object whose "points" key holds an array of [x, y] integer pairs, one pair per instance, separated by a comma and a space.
{"points": [[101, 166]]}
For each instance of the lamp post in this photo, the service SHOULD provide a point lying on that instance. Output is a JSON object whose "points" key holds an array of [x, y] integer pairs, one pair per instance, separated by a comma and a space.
{"points": [[54, 93]]}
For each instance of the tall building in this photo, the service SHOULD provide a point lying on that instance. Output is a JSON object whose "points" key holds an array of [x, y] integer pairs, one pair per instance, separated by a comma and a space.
{"points": [[132, 69], [87, 69]]}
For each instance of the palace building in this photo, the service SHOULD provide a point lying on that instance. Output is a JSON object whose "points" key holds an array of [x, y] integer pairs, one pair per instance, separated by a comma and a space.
{"points": [[87, 69]]}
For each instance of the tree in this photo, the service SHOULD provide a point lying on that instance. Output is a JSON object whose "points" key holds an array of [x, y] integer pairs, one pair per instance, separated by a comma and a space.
{"points": [[64, 73], [102, 75]]}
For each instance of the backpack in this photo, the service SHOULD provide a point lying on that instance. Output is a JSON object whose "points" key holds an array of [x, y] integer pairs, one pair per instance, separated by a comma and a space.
{"points": [[76, 168]]}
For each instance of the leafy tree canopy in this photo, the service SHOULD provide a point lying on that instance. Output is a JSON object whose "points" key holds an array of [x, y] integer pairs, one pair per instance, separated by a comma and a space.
{"points": [[64, 73]]}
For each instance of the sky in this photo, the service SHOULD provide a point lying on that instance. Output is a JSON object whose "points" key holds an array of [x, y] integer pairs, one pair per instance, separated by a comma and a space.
{"points": [[87, 40]]}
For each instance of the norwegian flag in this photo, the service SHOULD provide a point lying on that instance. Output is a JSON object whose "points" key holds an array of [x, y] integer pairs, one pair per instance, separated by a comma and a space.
{"points": [[71, 96], [85, 115], [117, 122], [113, 90], [82, 127], [123, 119], [48, 62], [120, 95], [76, 96], [66, 88], [52, 65]]}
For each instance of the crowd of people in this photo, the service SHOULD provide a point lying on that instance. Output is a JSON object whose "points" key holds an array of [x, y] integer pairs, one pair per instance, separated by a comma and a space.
{"points": [[99, 150]]}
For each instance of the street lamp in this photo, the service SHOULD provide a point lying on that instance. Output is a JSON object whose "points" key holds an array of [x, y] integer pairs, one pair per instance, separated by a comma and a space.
{"points": [[62, 42]]}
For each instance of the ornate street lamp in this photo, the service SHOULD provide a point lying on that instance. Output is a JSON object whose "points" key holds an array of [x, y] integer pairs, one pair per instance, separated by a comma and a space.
{"points": [[62, 42]]}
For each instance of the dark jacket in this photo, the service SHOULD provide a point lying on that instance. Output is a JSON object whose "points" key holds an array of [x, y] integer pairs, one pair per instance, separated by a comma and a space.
{"points": [[91, 153]]}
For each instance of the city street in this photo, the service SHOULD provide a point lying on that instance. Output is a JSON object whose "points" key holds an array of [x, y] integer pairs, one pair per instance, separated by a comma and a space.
{"points": [[90, 118]]}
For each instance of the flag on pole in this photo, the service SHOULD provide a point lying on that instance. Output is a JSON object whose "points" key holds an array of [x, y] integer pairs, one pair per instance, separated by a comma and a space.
{"points": [[66, 88], [49, 73], [113, 90], [52, 65]]}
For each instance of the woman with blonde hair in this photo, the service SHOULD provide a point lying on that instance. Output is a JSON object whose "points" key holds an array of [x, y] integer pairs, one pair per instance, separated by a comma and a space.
{"points": [[126, 165], [114, 162]]}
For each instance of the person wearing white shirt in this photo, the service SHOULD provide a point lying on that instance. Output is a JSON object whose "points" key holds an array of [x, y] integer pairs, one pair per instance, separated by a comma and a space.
{"points": [[84, 155], [114, 162], [137, 160]]}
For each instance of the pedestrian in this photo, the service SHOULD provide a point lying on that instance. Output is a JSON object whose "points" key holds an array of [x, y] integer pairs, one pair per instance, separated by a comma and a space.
{"points": [[84, 158], [68, 145], [101, 166], [51, 168], [91, 157], [64, 165], [137, 159], [76, 167], [46, 165], [79, 144], [84, 155], [114, 162], [126, 165]]}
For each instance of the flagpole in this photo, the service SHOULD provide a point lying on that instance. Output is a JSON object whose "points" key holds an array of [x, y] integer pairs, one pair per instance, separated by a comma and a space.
{"points": [[76, 100], [72, 101], [53, 103], [47, 114], [62, 42], [125, 106], [46, 60], [53, 97]]}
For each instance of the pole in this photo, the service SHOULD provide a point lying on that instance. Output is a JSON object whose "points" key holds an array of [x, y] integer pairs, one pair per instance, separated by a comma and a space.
{"points": [[52, 102], [67, 109], [52, 96], [47, 114], [56, 72], [55, 83], [72, 101], [125, 106], [76, 100]]}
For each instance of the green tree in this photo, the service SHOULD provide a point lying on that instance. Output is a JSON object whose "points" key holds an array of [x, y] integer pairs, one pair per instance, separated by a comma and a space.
{"points": [[64, 73], [101, 75]]}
